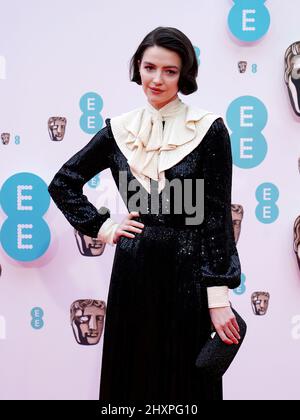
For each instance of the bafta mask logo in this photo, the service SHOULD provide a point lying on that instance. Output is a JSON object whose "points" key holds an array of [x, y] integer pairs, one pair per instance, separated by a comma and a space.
{"points": [[89, 247], [57, 128], [242, 66], [5, 137], [87, 319], [292, 75], [297, 239], [260, 302], [237, 213]]}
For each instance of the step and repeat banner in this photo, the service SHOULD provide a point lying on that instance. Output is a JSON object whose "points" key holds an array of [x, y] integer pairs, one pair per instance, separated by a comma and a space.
{"points": [[64, 68]]}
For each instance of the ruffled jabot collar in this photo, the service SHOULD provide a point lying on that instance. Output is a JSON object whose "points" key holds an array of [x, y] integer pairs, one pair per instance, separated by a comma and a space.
{"points": [[149, 148]]}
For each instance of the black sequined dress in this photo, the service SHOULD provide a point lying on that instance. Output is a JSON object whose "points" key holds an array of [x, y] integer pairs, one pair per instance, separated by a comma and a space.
{"points": [[157, 312]]}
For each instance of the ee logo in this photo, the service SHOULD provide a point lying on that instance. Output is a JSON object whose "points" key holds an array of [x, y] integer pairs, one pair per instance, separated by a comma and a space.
{"points": [[267, 195], [247, 116], [197, 52], [24, 235], [249, 20], [37, 318], [94, 182], [242, 287], [91, 105]]}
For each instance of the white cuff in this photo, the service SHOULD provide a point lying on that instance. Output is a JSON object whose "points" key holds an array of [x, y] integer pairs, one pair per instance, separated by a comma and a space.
{"points": [[218, 296], [107, 231]]}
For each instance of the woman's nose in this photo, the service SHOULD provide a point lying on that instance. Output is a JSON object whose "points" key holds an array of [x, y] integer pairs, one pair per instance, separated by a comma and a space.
{"points": [[157, 77]]}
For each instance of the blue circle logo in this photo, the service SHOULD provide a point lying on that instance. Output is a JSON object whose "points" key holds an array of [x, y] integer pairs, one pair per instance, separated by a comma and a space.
{"points": [[249, 20], [25, 236], [246, 117], [37, 318], [267, 195], [91, 105], [242, 287]]}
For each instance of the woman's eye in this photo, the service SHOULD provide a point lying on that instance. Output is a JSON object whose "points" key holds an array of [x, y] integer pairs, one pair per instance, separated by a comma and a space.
{"points": [[149, 68]]}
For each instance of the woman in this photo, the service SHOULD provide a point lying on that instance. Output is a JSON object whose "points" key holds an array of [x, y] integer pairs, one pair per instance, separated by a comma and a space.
{"points": [[170, 277]]}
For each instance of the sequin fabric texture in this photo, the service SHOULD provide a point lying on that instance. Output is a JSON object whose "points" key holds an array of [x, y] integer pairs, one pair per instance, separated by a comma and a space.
{"points": [[157, 315]]}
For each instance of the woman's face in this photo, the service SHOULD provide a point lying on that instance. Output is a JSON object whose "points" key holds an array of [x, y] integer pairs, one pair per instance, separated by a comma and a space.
{"points": [[160, 71]]}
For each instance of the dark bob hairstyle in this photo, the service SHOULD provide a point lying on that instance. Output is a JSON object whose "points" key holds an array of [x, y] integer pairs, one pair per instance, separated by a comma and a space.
{"points": [[174, 40]]}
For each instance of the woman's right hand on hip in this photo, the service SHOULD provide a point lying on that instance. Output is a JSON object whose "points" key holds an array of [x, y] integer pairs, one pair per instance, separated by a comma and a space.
{"points": [[128, 225]]}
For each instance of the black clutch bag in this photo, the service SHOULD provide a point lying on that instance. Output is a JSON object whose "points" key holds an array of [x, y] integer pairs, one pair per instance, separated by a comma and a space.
{"points": [[215, 356]]}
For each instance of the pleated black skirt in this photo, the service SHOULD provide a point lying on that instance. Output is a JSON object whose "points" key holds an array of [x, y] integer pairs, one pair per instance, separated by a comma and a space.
{"points": [[157, 320]]}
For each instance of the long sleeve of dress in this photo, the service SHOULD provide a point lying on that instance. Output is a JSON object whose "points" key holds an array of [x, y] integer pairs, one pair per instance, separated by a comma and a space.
{"points": [[66, 188], [220, 264], [107, 231]]}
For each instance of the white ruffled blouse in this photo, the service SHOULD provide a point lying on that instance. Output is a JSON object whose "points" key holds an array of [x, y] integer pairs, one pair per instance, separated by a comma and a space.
{"points": [[151, 149]]}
